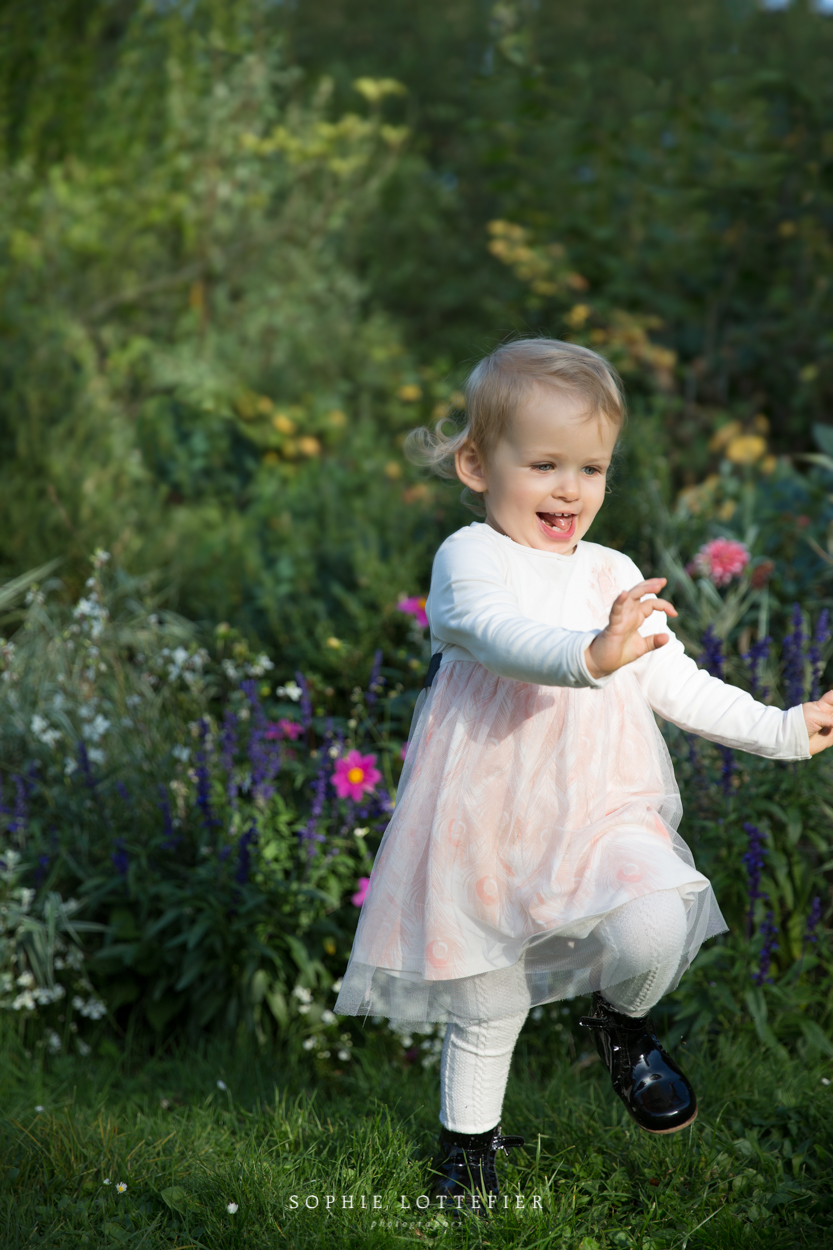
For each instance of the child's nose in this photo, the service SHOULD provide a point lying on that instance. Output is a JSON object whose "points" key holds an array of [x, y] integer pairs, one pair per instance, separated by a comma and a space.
{"points": [[566, 487]]}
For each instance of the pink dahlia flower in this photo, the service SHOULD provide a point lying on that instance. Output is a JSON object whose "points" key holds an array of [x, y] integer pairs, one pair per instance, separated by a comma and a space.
{"points": [[354, 775], [361, 894], [415, 607], [721, 560]]}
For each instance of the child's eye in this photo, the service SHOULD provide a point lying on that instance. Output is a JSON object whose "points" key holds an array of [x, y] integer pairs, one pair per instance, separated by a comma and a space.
{"points": [[545, 467], [591, 470]]}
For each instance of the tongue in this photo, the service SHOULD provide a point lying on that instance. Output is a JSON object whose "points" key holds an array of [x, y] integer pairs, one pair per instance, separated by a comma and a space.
{"points": [[562, 523]]}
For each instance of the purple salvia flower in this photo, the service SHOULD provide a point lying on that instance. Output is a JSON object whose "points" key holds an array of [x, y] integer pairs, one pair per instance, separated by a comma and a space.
{"points": [[754, 861], [813, 921], [17, 824], [244, 855], [727, 769], [228, 746], [209, 820], [5, 812], [713, 653], [119, 857], [264, 756], [85, 765], [793, 660], [309, 834], [376, 679], [170, 841], [42, 870], [755, 657], [820, 637], [305, 705], [123, 792], [769, 932]]}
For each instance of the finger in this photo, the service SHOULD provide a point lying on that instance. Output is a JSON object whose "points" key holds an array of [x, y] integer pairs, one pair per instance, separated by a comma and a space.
{"points": [[650, 587], [655, 641], [659, 605]]}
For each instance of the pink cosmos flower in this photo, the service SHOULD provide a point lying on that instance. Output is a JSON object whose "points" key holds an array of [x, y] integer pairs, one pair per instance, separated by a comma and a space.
{"points": [[361, 894], [404, 752], [354, 775], [283, 729], [721, 560], [415, 607]]}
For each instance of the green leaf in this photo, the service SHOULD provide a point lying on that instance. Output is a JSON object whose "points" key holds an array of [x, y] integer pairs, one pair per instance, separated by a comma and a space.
{"points": [[175, 1197]]}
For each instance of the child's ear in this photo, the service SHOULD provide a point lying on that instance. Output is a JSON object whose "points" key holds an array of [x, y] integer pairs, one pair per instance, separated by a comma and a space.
{"points": [[470, 469]]}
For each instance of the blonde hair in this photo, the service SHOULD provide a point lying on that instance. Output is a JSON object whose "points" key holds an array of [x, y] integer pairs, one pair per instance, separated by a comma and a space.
{"points": [[498, 383]]}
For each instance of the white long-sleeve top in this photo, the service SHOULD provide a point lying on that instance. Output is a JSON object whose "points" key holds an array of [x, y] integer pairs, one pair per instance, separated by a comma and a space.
{"points": [[530, 615]]}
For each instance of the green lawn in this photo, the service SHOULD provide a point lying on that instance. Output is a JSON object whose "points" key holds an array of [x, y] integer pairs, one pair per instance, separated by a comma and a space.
{"points": [[756, 1170]]}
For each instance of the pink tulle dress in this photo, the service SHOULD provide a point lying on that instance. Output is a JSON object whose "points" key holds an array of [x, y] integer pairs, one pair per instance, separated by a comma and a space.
{"points": [[534, 800]]}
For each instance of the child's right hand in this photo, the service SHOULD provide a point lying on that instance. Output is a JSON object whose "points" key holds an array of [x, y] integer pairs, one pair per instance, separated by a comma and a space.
{"points": [[620, 643]]}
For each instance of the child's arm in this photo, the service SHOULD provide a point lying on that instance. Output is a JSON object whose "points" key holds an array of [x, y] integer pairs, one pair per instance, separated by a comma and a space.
{"points": [[475, 615], [689, 697]]}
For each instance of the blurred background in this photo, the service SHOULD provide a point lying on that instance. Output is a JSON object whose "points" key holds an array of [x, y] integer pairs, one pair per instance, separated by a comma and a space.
{"points": [[246, 246]]}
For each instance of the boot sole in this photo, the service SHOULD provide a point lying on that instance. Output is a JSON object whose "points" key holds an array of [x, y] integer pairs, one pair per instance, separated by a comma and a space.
{"points": [[663, 1132]]}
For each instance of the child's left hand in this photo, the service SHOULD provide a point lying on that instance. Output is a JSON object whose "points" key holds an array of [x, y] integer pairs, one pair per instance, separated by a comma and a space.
{"points": [[818, 717]]}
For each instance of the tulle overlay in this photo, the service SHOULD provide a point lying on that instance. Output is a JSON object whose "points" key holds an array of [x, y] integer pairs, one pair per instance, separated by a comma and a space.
{"points": [[526, 814]]}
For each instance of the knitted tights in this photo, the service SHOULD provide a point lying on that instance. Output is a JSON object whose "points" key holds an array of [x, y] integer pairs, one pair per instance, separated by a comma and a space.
{"points": [[648, 932]]}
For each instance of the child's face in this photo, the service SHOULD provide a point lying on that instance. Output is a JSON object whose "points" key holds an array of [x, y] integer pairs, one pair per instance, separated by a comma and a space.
{"points": [[545, 480]]}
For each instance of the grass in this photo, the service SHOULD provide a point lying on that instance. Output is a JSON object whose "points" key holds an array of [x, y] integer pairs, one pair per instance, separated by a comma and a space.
{"points": [[756, 1170]]}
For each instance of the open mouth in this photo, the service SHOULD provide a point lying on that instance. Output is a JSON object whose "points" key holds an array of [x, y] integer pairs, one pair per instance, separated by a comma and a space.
{"points": [[558, 524]]}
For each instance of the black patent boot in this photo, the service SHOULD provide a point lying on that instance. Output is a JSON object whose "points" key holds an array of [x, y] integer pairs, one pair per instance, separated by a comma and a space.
{"points": [[465, 1176], [657, 1094]]}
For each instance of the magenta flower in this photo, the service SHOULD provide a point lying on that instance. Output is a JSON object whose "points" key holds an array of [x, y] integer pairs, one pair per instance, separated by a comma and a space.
{"points": [[403, 753], [283, 729], [721, 560], [354, 775], [415, 607], [361, 894]]}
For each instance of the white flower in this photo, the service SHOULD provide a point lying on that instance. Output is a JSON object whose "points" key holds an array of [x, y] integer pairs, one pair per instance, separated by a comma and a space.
{"points": [[301, 992], [181, 753], [303, 1009], [121, 1187], [107, 1180], [222, 1085], [26, 980], [327, 1016], [334, 752], [406, 1041], [310, 1043], [290, 691], [96, 755], [39, 1108], [230, 670], [70, 766], [54, 1042], [231, 1207], [83, 1048], [361, 831], [96, 728], [336, 985], [43, 731], [344, 1054], [26, 896], [825, 1080], [260, 665], [100, 557]]}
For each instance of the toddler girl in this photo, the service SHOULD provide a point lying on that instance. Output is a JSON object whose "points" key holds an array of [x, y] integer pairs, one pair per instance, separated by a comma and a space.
{"points": [[533, 853]]}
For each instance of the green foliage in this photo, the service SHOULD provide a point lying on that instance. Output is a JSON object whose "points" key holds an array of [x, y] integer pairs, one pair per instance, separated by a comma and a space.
{"points": [[754, 1171]]}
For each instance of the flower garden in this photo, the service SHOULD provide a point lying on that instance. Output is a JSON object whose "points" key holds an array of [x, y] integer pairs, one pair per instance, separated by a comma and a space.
{"points": [[245, 248]]}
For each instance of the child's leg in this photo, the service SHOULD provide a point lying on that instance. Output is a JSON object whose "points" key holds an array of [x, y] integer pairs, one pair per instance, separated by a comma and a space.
{"points": [[648, 933], [473, 1072]]}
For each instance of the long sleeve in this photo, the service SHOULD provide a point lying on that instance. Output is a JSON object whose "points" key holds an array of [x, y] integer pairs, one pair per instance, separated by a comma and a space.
{"points": [[472, 611], [691, 698]]}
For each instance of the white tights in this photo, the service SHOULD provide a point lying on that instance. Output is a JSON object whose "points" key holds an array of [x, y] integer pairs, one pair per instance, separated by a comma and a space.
{"points": [[648, 932]]}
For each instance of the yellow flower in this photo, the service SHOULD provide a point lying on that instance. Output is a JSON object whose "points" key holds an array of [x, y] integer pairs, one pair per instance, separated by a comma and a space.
{"points": [[264, 405], [577, 315], [746, 449], [768, 464], [393, 470], [337, 418], [409, 393], [282, 423], [309, 446], [375, 89], [727, 510], [334, 643], [724, 435]]}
